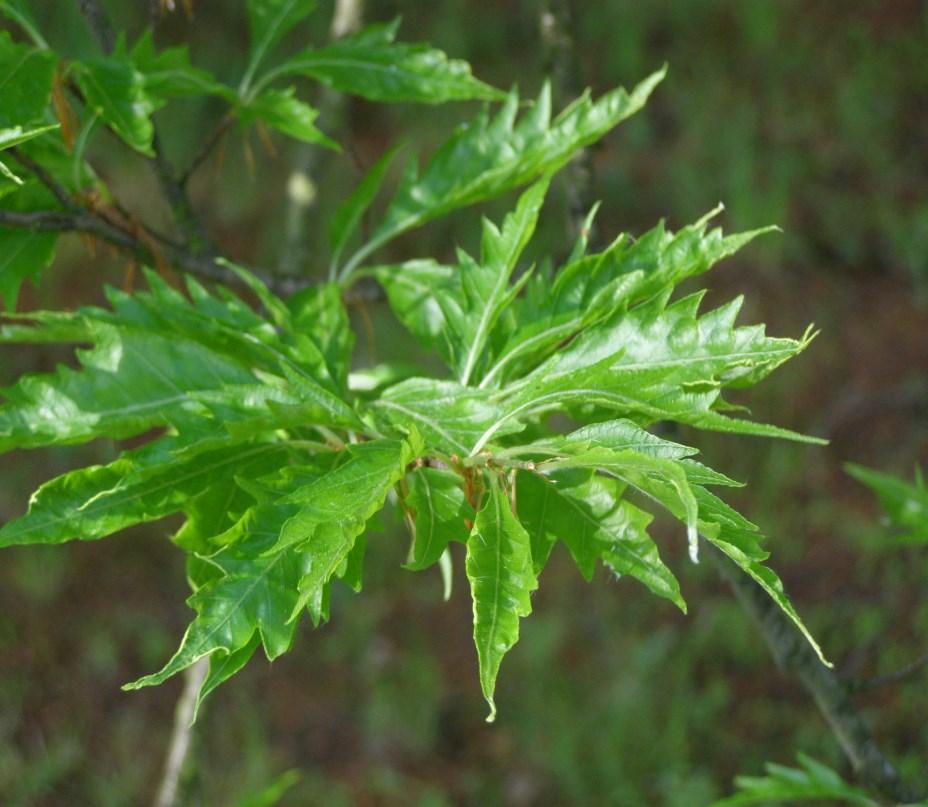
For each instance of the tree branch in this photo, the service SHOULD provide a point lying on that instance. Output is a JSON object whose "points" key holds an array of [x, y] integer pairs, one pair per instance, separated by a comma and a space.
{"points": [[182, 734], [895, 677], [794, 655], [83, 221]]}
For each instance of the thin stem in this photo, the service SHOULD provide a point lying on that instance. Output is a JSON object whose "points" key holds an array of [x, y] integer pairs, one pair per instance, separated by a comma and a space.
{"points": [[26, 24], [911, 669], [181, 735], [83, 221], [206, 149]]}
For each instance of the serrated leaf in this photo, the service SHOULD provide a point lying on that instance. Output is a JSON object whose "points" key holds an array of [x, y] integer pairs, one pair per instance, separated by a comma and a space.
{"points": [[169, 74], [342, 500], [350, 212], [590, 516], [813, 781], [442, 514], [255, 596], [142, 485], [655, 362], [130, 382], [487, 158], [370, 64], [654, 476], [474, 295], [24, 255], [905, 504], [116, 91], [741, 542], [409, 287], [319, 313], [283, 111], [26, 76], [592, 287], [499, 568], [449, 417]]}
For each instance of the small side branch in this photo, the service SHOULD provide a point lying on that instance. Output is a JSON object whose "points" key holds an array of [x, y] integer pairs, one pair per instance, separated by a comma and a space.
{"points": [[181, 735], [82, 221], [920, 665], [795, 656]]}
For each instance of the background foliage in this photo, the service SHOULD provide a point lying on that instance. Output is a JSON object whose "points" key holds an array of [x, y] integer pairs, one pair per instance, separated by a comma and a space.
{"points": [[803, 115]]}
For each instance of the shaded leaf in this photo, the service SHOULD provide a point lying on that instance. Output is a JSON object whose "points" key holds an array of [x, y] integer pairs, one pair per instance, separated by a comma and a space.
{"points": [[442, 514], [370, 64]]}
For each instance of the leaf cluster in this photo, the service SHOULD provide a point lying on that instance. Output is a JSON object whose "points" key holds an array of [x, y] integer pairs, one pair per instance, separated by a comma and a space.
{"points": [[258, 426]]}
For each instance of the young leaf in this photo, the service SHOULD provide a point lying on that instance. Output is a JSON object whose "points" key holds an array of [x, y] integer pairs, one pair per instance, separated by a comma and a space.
{"points": [[370, 64], [739, 539], [281, 110], [168, 74], [24, 254], [26, 76], [442, 514], [589, 514], [487, 158], [499, 568], [115, 90], [591, 288], [269, 21], [450, 417]]}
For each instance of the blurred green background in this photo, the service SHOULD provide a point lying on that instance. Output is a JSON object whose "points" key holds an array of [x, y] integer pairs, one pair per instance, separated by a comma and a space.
{"points": [[813, 116]]}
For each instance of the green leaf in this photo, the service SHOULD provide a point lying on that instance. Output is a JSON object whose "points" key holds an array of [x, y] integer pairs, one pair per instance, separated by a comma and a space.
{"points": [[15, 135], [660, 478], [499, 568], [450, 417], [116, 91], [24, 254], [142, 485], [442, 514], [813, 781], [905, 504], [739, 539], [589, 514], [26, 77], [349, 213], [131, 382], [269, 21], [370, 64], [281, 110], [254, 596], [655, 362], [591, 288], [473, 297], [169, 74], [331, 511], [410, 289], [487, 158]]}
